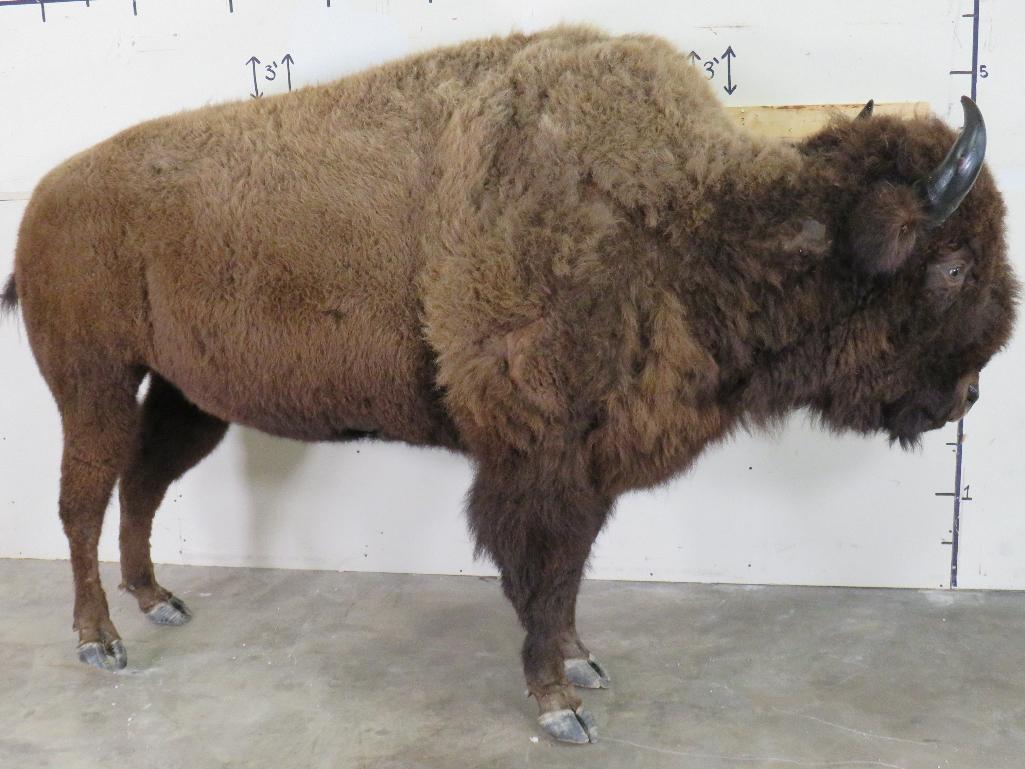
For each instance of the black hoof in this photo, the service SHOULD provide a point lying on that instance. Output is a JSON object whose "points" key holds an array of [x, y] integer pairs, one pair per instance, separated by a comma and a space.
{"points": [[586, 673], [170, 612], [575, 726], [111, 656]]}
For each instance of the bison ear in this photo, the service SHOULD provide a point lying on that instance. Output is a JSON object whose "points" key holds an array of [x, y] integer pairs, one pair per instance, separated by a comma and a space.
{"points": [[884, 227]]}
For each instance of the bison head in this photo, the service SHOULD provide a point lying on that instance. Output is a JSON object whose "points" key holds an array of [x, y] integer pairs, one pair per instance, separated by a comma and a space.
{"points": [[920, 288]]}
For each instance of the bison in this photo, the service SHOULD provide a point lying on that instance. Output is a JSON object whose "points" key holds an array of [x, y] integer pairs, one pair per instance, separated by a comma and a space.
{"points": [[552, 253]]}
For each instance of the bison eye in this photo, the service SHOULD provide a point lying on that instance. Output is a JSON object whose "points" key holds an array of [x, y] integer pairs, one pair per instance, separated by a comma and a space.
{"points": [[948, 274], [954, 273]]}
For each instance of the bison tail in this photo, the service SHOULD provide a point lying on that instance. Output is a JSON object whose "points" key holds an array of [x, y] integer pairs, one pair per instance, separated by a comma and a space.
{"points": [[9, 298]]}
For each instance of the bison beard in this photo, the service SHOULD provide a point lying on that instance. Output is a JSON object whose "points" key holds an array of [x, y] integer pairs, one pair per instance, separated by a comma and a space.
{"points": [[553, 253]]}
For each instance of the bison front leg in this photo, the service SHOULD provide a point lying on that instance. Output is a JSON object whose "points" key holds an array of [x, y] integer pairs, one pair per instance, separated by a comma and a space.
{"points": [[582, 668], [538, 525]]}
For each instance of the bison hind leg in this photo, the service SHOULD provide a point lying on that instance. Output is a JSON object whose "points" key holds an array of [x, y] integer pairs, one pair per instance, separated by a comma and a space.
{"points": [[98, 414], [173, 436]]}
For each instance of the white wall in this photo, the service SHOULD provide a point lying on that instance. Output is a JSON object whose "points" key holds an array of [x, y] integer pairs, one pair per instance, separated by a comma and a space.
{"points": [[802, 507]]}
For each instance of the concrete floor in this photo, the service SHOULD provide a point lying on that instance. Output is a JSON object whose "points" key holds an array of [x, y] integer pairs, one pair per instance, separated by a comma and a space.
{"points": [[290, 669]]}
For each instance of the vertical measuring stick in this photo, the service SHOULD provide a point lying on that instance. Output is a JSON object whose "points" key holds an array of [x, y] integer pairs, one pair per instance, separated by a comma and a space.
{"points": [[955, 529]]}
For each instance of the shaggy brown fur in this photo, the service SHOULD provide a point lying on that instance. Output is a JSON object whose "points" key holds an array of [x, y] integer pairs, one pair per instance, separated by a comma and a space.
{"points": [[551, 252]]}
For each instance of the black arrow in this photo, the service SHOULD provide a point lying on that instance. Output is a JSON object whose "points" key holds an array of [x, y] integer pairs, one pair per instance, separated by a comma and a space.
{"points": [[694, 58], [253, 61], [289, 61], [728, 54]]}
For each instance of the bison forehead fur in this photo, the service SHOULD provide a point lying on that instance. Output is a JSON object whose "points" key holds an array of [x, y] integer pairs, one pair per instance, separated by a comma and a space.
{"points": [[553, 252]]}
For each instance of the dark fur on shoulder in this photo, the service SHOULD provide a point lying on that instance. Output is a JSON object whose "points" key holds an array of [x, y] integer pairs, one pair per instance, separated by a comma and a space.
{"points": [[554, 253]]}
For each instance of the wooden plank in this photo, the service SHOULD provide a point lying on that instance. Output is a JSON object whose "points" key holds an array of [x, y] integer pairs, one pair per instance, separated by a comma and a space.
{"points": [[796, 121]]}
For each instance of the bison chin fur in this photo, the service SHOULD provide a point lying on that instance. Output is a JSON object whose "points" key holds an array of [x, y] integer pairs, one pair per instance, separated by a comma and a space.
{"points": [[903, 421], [908, 419]]}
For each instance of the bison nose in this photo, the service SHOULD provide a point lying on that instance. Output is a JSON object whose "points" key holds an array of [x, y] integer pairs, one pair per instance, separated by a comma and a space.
{"points": [[973, 393]]}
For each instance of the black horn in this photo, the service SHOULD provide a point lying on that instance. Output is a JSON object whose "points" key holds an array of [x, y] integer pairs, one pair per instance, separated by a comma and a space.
{"points": [[951, 180]]}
